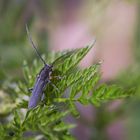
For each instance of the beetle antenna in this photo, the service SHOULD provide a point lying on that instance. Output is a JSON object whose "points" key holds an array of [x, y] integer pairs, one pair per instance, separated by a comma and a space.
{"points": [[33, 45]]}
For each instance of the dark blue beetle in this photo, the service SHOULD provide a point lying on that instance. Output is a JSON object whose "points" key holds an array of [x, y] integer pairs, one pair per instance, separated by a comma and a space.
{"points": [[42, 79], [39, 86]]}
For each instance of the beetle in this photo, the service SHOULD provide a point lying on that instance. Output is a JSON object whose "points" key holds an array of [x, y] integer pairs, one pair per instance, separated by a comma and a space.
{"points": [[42, 79]]}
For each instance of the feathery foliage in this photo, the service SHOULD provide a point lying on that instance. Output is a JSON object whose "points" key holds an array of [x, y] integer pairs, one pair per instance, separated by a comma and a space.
{"points": [[47, 120]]}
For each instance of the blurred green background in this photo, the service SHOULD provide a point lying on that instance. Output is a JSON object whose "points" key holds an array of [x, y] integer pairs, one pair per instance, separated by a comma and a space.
{"points": [[63, 24]]}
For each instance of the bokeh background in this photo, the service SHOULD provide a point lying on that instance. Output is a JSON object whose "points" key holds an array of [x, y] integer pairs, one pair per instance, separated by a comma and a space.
{"points": [[56, 25]]}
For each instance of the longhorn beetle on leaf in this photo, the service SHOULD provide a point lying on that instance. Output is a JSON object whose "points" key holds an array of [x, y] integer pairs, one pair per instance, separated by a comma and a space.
{"points": [[42, 79]]}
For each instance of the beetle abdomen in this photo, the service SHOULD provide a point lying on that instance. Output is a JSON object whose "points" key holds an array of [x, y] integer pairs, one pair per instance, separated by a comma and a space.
{"points": [[36, 94]]}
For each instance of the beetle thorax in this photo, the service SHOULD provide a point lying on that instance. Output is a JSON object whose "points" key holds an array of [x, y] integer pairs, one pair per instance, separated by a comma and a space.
{"points": [[46, 72]]}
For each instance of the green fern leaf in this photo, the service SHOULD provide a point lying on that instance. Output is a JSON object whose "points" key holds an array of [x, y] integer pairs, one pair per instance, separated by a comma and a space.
{"points": [[106, 93], [69, 60]]}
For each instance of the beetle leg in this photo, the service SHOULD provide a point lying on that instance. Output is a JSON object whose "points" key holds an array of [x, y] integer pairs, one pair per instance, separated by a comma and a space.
{"points": [[57, 77], [48, 81], [43, 97], [37, 76], [53, 85], [30, 89]]}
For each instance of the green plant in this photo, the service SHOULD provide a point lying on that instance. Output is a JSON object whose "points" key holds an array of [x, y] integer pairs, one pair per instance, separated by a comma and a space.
{"points": [[47, 119]]}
